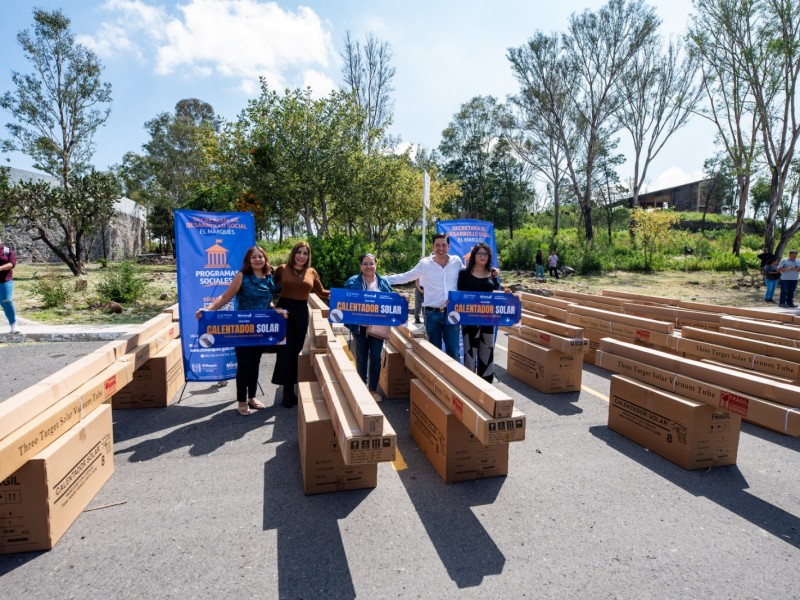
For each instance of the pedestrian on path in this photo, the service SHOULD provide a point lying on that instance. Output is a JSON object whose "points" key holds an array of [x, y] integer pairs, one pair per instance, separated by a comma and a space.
{"points": [[789, 268], [8, 260], [552, 264]]}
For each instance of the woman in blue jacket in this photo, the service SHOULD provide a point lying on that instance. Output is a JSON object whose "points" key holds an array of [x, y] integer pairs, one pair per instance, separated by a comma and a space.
{"points": [[368, 348]]}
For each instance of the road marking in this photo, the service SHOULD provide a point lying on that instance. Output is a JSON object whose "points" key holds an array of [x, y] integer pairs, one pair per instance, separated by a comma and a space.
{"points": [[585, 388], [589, 390], [398, 464]]}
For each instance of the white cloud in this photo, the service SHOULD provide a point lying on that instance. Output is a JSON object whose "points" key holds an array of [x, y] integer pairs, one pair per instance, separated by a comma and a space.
{"points": [[233, 39], [673, 176]]}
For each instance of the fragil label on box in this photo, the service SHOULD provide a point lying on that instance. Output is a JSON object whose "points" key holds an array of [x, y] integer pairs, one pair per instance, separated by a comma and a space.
{"points": [[225, 328], [483, 308], [361, 307]]}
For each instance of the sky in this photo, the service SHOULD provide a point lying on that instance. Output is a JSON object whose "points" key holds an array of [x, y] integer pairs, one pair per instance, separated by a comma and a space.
{"points": [[445, 52]]}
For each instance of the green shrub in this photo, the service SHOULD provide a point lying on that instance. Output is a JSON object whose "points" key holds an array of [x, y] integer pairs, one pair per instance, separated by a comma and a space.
{"points": [[54, 290], [401, 252], [123, 283], [335, 257]]}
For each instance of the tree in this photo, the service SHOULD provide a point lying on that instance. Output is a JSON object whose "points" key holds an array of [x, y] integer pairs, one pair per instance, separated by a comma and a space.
{"points": [[172, 164], [580, 71], [368, 74], [650, 228], [57, 109], [658, 96]]}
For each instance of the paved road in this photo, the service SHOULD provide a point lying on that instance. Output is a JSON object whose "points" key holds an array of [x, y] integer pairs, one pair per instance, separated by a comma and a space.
{"points": [[208, 504]]}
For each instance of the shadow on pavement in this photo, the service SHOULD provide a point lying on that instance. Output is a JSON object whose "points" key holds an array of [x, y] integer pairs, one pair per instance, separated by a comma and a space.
{"points": [[563, 404], [465, 548], [726, 486], [312, 562]]}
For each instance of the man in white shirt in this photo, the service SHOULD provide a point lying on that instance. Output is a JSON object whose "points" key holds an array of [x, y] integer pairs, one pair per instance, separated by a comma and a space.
{"points": [[789, 268], [438, 275]]}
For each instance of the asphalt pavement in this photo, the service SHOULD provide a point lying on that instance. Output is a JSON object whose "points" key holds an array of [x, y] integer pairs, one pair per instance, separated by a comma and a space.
{"points": [[205, 503]]}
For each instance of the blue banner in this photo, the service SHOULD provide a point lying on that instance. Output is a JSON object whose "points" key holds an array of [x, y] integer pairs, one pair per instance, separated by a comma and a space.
{"points": [[210, 248], [465, 233], [483, 308], [224, 328], [361, 307]]}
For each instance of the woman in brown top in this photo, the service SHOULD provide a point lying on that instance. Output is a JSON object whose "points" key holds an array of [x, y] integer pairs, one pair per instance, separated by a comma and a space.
{"points": [[297, 279]]}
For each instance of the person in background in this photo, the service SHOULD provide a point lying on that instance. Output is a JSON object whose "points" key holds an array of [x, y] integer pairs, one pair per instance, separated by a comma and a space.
{"points": [[479, 339], [539, 264], [418, 299], [8, 260], [297, 280], [789, 269], [766, 257], [254, 288], [771, 279], [437, 274], [368, 348], [552, 264]]}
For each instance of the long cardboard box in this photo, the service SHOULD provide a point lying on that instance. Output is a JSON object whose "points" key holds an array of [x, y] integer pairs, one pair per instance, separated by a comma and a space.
{"points": [[145, 331], [489, 430], [641, 298], [740, 358], [788, 353], [45, 428], [449, 446], [548, 310], [763, 337], [751, 384], [399, 342], [545, 369], [321, 463], [634, 322], [735, 311], [357, 447], [791, 332], [671, 314], [562, 329], [691, 434], [315, 302], [362, 404], [549, 340], [44, 497], [778, 417], [584, 299], [149, 348], [622, 330], [156, 383], [492, 400]]}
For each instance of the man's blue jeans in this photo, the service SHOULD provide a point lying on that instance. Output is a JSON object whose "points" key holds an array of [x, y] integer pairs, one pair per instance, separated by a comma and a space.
{"points": [[438, 329]]}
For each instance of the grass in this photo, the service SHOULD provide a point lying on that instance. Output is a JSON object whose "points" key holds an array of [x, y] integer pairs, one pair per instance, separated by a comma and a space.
{"points": [[85, 306], [731, 289]]}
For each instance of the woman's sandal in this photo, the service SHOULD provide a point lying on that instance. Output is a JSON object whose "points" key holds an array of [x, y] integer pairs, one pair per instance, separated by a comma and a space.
{"points": [[243, 409], [256, 404]]}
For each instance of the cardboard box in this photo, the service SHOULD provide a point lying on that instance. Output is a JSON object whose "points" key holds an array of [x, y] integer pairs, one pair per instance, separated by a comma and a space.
{"points": [[489, 430], [691, 434], [362, 404], [43, 498], [584, 299], [315, 302], [156, 383], [305, 367], [562, 329], [357, 447], [746, 343], [640, 298], [139, 355], [453, 451], [173, 311], [740, 358], [399, 342], [45, 428], [791, 332], [321, 462], [145, 331], [544, 369], [550, 340], [671, 314], [735, 311], [763, 337], [752, 385], [548, 310], [495, 402], [395, 378], [630, 331]]}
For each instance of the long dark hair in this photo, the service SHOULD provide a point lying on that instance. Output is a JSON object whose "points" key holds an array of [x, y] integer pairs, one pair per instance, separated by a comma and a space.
{"points": [[475, 248], [297, 247], [247, 268]]}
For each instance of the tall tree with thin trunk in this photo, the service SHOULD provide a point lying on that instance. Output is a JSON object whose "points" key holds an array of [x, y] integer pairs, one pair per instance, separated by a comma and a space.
{"points": [[659, 93], [368, 73], [57, 109]]}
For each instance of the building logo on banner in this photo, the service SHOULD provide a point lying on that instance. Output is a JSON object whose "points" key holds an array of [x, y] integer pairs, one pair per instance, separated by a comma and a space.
{"points": [[209, 249], [465, 233]]}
